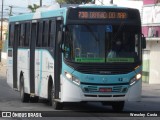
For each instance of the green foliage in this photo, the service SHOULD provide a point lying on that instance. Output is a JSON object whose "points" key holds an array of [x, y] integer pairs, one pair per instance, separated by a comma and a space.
{"points": [[33, 7], [73, 1]]}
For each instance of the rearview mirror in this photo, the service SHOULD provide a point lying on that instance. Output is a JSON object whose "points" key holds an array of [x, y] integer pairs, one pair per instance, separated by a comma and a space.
{"points": [[143, 42]]}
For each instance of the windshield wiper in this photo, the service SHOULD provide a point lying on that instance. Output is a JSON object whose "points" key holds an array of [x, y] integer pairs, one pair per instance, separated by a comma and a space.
{"points": [[119, 28], [91, 31]]}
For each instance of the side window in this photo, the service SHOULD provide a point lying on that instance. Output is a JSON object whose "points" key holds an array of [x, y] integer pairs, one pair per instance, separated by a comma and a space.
{"points": [[45, 34], [33, 35], [11, 34], [40, 34], [52, 33], [17, 33], [22, 35], [28, 34]]}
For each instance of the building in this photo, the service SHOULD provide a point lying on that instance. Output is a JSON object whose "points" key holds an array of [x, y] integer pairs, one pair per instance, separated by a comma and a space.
{"points": [[151, 30], [4, 37], [124, 3], [150, 14]]}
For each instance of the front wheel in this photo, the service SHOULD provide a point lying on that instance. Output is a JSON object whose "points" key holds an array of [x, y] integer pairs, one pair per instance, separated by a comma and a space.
{"points": [[51, 102], [57, 105], [34, 99], [24, 96], [50, 95], [118, 106]]}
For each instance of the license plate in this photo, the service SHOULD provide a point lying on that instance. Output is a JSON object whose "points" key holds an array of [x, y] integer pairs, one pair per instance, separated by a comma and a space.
{"points": [[105, 89]]}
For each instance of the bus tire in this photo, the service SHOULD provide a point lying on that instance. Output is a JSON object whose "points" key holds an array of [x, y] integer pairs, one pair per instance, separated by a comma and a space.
{"points": [[34, 99], [50, 94], [118, 106], [51, 102], [24, 96], [57, 105]]}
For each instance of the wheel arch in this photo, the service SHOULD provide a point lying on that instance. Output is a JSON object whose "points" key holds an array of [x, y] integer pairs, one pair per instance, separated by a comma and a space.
{"points": [[21, 74]]}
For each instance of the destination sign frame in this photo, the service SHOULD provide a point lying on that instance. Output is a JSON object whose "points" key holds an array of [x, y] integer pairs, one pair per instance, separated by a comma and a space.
{"points": [[102, 15]]}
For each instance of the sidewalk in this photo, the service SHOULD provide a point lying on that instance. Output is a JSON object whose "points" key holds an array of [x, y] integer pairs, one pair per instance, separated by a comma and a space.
{"points": [[150, 90], [3, 68]]}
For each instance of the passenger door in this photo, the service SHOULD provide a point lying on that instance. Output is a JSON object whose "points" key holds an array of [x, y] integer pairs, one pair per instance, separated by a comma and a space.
{"points": [[15, 52], [32, 56], [58, 59]]}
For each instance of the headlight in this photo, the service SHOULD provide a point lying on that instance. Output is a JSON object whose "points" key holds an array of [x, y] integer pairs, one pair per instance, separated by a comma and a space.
{"points": [[138, 76], [72, 78], [68, 75], [135, 79]]}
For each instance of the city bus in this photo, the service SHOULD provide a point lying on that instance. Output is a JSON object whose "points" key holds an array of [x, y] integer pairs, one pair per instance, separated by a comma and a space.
{"points": [[87, 53]]}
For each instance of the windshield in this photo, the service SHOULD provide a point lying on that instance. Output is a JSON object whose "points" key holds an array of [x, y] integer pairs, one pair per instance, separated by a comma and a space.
{"points": [[102, 43]]}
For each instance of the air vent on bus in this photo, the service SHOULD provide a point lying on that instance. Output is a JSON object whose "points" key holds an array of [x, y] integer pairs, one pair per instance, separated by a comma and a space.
{"points": [[105, 69]]}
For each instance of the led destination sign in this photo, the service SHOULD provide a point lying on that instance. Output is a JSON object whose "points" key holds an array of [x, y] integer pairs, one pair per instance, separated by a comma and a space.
{"points": [[101, 15]]}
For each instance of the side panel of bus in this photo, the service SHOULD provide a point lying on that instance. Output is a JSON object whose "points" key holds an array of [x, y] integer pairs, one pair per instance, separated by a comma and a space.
{"points": [[35, 55], [10, 56], [23, 67]]}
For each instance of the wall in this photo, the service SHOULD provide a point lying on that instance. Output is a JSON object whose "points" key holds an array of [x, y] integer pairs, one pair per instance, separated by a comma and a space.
{"points": [[4, 55], [4, 41], [151, 30], [154, 71], [146, 2]]}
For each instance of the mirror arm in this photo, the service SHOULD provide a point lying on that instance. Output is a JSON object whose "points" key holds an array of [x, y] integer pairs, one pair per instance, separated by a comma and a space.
{"points": [[143, 41]]}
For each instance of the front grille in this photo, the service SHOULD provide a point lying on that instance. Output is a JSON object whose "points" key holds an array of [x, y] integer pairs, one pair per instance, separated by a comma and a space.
{"points": [[103, 68], [90, 95], [91, 89], [117, 89], [118, 95], [86, 95]]}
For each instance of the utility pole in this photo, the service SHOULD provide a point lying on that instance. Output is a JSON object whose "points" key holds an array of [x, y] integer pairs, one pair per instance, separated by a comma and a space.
{"points": [[10, 11], [111, 2], [1, 31], [93, 2], [40, 3]]}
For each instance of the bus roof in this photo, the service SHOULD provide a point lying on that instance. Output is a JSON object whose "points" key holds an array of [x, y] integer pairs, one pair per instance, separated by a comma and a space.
{"points": [[56, 12], [37, 15]]}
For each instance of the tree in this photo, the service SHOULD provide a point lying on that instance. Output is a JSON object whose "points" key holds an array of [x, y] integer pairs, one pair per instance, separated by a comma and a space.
{"points": [[33, 7], [73, 1]]}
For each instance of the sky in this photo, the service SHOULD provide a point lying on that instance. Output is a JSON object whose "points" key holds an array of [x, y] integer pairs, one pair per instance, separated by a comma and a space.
{"points": [[20, 6]]}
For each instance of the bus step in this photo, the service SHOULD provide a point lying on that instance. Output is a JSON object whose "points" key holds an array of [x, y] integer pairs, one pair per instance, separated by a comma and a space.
{"points": [[16, 89], [57, 100]]}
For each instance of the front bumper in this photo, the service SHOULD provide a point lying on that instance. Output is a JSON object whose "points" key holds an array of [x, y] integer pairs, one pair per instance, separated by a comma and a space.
{"points": [[74, 93]]}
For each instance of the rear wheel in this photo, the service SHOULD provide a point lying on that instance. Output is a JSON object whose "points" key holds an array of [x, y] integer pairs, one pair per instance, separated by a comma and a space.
{"points": [[24, 96], [118, 106]]}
